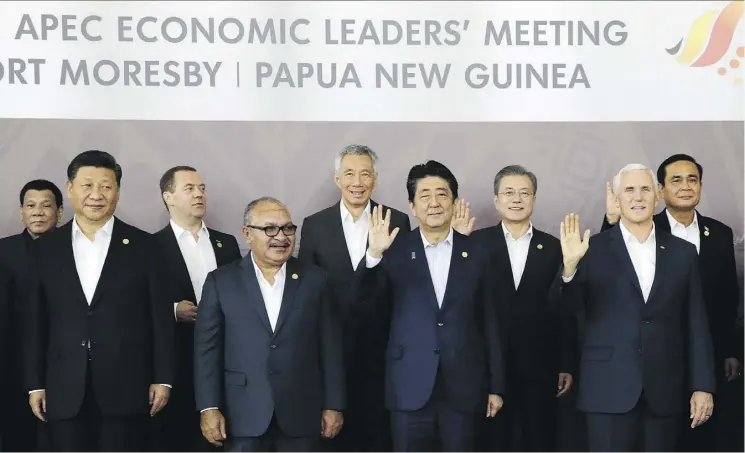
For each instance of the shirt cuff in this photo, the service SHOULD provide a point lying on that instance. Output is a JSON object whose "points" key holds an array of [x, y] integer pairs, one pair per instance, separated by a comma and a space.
{"points": [[568, 279], [39, 390], [175, 304], [166, 385], [208, 409], [370, 261]]}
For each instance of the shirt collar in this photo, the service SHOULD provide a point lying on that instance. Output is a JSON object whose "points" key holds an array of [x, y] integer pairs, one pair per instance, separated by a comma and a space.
{"points": [[178, 231], [508, 235], [280, 274], [628, 237], [673, 223], [448, 240], [107, 227], [346, 214]]}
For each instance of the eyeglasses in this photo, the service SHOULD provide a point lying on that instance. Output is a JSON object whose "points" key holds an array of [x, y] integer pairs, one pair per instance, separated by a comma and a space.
{"points": [[273, 230], [512, 194]]}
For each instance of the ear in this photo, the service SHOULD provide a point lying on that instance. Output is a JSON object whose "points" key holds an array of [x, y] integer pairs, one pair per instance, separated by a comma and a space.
{"points": [[59, 214], [411, 208], [660, 190], [337, 180], [496, 197], [246, 232], [167, 198], [69, 189], [20, 212]]}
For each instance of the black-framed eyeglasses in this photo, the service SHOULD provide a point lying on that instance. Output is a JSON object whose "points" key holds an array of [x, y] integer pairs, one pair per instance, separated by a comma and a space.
{"points": [[273, 230]]}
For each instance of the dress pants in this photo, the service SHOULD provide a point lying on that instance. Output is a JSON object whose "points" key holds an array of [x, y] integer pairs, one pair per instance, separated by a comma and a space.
{"points": [[274, 439], [437, 426], [90, 430], [636, 430]]}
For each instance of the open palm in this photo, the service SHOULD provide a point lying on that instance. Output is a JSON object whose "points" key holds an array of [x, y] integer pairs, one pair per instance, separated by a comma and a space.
{"points": [[380, 237], [573, 246]]}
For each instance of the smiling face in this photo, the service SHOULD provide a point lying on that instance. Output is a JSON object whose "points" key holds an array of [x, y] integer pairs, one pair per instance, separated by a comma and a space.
{"points": [[515, 198], [93, 193], [433, 203], [637, 197], [267, 250], [682, 189], [356, 179]]}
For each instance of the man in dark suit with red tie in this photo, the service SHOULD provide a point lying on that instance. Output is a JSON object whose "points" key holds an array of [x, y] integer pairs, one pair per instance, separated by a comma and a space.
{"points": [[680, 180], [191, 251], [99, 332], [335, 239]]}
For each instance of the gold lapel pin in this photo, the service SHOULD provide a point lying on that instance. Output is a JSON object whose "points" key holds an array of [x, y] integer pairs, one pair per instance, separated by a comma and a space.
{"points": [[294, 276], [706, 231], [464, 254], [539, 247], [125, 241], [219, 244]]}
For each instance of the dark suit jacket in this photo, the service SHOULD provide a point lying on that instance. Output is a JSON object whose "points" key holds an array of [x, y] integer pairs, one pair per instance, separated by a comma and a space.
{"points": [[662, 347], [180, 288], [365, 332], [721, 291], [129, 324], [460, 340], [539, 341], [6, 312], [15, 258], [250, 372]]}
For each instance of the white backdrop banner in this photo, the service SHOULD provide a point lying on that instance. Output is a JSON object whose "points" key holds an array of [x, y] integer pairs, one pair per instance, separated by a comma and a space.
{"points": [[373, 61]]}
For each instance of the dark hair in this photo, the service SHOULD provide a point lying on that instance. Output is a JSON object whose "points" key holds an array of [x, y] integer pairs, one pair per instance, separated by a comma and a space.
{"points": [[662, 169], [94, 158], [431, 168], [41, 185], [169, 177], [514, 170]]}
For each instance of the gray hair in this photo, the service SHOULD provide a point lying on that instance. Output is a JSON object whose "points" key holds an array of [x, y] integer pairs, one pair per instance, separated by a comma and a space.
{"points": [[629, 168], [355, 150], [514, 170], [252, 205]]}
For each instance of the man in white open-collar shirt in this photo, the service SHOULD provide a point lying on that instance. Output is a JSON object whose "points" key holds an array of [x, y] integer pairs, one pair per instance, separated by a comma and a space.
{"points": [[647, 347], [99, 333]]}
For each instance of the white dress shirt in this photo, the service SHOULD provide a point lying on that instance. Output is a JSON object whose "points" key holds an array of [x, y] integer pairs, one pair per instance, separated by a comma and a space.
{"points": [[518, 252], [271, 293], [198, 255], [690, 233], [90, 255], [643, 256], [355, 232], [438, 259]]}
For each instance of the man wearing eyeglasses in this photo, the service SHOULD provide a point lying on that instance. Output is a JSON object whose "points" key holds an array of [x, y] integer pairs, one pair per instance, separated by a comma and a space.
{"points": [[268, 352], [539, 344], [191, 250]]}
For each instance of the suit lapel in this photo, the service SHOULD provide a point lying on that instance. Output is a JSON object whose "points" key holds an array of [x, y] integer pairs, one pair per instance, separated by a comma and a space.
{"points": [[662, 264], [176, 259], [67, 269], [502, 255], [459, 269], [623, 258], [705, 240], [113, 263], [251, 284], [533, 260], [221, 252], [420, 267], [292, 281], [337, 241]]}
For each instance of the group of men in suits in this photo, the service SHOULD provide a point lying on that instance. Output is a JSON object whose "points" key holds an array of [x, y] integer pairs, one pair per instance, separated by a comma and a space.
{"points": [[376, 337]]}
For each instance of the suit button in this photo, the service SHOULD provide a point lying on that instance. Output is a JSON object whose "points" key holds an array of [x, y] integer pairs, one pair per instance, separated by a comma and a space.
{"points": [[436, 351], [645, 321], [82, 343], [439, 324], [639, 351], [274, 346]]}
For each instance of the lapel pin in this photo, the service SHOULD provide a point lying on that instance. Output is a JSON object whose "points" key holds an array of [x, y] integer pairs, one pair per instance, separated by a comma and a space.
{"points": [[219, 244], [706, 231], [294, 276], [413, 255], [125, 241], [662, 247], [539, 246], [464, 254]]}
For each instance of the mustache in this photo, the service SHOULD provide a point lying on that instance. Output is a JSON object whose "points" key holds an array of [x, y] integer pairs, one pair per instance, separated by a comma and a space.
{"points": [[284, 243]]}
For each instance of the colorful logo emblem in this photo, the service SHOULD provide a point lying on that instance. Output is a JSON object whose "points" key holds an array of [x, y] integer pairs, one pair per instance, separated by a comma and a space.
{"points": [[709, 41]]}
